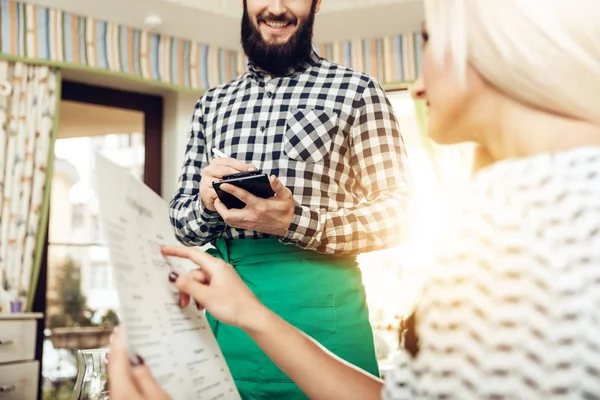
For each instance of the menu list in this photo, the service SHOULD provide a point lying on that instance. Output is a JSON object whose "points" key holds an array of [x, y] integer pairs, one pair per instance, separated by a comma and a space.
{"points": [[177, 344]]}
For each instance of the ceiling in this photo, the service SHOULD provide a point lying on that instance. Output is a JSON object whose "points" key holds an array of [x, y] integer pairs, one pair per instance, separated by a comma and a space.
{"points": [[217, 21]]}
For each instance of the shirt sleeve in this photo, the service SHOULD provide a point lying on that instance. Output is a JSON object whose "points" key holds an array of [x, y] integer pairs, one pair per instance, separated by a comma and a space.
{"points": [[378, 157], [194, 224]]}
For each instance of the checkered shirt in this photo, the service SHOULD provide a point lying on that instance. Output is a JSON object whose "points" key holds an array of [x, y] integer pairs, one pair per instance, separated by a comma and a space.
{"points": [[328, 133]]}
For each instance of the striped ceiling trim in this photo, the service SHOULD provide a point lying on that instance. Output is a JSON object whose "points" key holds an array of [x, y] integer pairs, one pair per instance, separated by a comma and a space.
{"points": [[389, 60], [43, 34], [40, 33]]}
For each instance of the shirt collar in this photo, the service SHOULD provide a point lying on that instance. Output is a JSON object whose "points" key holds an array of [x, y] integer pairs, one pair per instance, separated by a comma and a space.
{"points": [[312, 60]]}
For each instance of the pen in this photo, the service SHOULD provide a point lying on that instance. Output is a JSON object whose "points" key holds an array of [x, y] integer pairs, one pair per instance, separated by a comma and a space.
{"points": [[219, 153]]}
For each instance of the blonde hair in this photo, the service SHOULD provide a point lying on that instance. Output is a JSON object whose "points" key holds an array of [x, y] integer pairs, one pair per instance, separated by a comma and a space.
{"points": [[545, 53]]}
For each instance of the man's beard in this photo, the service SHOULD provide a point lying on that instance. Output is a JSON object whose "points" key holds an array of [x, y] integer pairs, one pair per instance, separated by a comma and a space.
{"points": [[277, 59]]}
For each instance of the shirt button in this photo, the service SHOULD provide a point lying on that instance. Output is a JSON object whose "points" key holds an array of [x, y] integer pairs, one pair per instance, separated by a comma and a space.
{"points": [[269, 94], [262, 128]]}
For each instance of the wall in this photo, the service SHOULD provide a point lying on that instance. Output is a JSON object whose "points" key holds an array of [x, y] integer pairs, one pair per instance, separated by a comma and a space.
{"points": [[178, 109]]}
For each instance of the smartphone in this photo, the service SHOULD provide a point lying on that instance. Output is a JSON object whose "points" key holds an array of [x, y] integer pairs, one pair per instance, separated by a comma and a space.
{"points": [[255, 182]]}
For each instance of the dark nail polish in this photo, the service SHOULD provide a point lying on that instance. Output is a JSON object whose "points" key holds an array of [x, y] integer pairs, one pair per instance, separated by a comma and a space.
{"points": [[137, 361], [198, 306], [173, 276]]}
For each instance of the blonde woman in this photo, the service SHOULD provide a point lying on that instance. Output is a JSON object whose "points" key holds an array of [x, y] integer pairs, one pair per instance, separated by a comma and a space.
{"points": [[513, 308]]}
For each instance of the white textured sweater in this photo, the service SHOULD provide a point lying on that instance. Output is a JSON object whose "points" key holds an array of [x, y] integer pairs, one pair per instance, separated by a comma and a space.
{"points": [[513, 308]]}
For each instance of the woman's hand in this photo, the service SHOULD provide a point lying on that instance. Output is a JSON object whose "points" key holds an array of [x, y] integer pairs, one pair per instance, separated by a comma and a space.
{"points": [[217, 287], [130, 380]]}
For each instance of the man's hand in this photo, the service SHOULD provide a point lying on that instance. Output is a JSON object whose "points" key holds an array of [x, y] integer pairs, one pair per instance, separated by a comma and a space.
{"points": [[215, 171], [271, 216]]}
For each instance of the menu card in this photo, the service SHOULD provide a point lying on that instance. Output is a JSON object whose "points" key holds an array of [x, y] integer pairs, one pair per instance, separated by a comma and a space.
{"points": [[176, 344]]}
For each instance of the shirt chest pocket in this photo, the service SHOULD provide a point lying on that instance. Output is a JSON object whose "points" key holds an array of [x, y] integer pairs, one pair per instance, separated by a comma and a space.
{"points": [[309, 134]]}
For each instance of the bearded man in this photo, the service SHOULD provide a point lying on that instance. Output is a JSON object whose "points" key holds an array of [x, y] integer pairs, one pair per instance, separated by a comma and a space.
{"points": [[328, 137]]}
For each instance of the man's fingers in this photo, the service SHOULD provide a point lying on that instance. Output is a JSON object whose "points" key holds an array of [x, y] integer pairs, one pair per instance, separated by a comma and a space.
{"points": [[278, 187], [240, 193], [240, 166], [221, 209], [218, 171], [231, 217], [119, 374], [204, 260], [211, 194]]}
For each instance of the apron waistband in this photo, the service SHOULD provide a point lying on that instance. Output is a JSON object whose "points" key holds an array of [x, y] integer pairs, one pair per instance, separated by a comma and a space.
{"points": [[255, 251]]}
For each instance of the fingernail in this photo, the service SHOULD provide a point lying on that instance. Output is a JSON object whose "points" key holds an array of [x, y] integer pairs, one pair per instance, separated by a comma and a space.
{"points": [[173, 276], [198, 306], [137, 361], [253, 168], [180, 302]]}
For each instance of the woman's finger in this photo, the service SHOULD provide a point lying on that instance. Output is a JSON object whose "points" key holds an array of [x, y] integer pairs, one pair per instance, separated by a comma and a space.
{"points": [[184, 298], [122, 386], [150, 389], [205, 261], [187, 284], [198, 275]]}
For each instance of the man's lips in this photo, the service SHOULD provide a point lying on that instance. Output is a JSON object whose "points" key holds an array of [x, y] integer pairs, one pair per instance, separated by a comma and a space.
{"points": [[277, 24], [273, 22]]}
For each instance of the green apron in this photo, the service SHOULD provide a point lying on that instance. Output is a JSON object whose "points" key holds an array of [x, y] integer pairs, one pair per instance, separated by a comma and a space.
{"points": [[321, 295]]}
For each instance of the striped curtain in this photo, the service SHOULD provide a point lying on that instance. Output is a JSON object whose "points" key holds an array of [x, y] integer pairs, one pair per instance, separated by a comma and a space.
{"points": [[28, 99]]}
